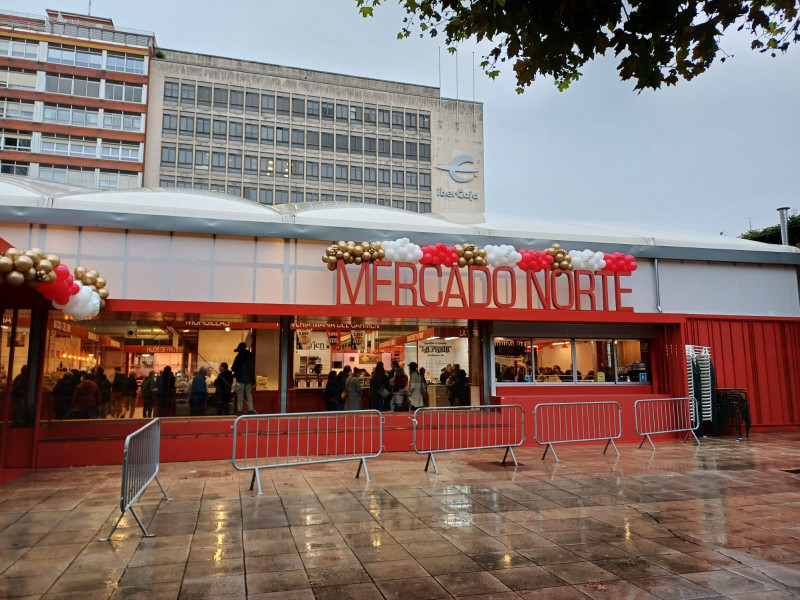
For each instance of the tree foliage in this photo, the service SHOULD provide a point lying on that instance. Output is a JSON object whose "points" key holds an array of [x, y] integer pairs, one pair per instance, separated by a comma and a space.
{"points": [[657, 42], [772, 234]]}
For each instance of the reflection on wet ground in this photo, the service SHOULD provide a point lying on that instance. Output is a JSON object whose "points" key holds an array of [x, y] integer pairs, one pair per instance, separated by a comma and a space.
{"points": [[719, 521]]}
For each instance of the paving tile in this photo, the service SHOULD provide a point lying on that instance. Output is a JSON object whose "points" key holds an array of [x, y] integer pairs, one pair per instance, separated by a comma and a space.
{"points": [[357, 591], [258, 583], [152, 574], [579, 572], [447, 565], [527, 578], [401, 569], [726, 582], [273, 562], [212, 587], [558, 593], [423, 588], [616, 590], [463, 584]]}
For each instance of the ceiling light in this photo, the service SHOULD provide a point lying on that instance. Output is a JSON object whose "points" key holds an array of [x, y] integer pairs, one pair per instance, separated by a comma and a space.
{"points": [[227, 329], [433, 337]]}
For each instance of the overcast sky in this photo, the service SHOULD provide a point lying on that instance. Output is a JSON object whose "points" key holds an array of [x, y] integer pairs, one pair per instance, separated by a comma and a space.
{"points": [[711, 155]]}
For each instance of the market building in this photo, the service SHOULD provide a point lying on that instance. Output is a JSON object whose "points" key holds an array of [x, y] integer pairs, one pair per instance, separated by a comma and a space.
{"points": [[191, 275], [73, 99]]}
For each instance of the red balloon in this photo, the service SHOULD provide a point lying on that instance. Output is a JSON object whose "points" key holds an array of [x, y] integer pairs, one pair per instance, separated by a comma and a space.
{"points": [[73, 289]]}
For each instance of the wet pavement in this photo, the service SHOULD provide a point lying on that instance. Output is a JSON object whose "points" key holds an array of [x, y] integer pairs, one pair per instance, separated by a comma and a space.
{"points": [[719, 521]]}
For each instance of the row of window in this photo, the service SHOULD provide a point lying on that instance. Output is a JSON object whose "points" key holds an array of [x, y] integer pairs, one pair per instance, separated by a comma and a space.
{"points": [[17, 79], [237, 132], [103, 179], [70, 145], [236, 163], [90, 88], [74, 56], [16, 109], [273, 196], [268, 103], [89, 117]]}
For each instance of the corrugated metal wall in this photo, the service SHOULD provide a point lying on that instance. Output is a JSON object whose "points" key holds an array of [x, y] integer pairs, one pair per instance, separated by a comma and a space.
{"points": [[762, 356]]}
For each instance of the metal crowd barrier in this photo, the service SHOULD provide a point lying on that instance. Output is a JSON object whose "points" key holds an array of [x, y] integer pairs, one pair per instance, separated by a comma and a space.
{"points": [[139, 469], [568, 422], [664, 415], [454, 428], [282, 440]]}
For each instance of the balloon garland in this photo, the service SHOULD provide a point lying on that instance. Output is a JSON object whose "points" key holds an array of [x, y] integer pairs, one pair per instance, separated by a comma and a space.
{"points": [[80, 294], [554, 258]]}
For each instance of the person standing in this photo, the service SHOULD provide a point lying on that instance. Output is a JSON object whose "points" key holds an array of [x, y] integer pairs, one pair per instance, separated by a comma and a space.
{"points": [[399, 386], [353, 388], [445, 374], [129, 395], [87, 398], [380, 388], [166, 386], [118, 385], [198, 394], [342, 378], [244, 372], [414, 386], [332, 392], [148, 394], [223, 388], [62, 395], [99, 377]]}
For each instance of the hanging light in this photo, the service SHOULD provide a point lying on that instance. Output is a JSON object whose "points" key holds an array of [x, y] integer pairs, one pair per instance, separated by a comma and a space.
{"points": [[565, 345]]}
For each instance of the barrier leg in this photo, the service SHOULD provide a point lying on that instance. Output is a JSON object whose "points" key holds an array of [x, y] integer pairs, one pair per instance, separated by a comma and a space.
{"points": [[363, 463], [139, 521], [163, 491], [514, 458], [552, 449], [647, 437], [256, 479], [431, 460], [691, 432], [113, 529], [613, 445]]}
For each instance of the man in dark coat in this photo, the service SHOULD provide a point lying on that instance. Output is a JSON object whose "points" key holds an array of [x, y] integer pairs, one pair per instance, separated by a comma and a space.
{"points": [[99, 377], [223, 388], [118, 392], [244, 372]]}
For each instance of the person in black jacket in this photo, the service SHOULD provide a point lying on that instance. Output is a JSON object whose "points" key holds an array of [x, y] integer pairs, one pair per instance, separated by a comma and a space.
{"points": [[380, 389], [117, 392], [165, 386], [244, 371], [99, 377], [129, 395], [332, 393], [62, 395], [223, 388]]}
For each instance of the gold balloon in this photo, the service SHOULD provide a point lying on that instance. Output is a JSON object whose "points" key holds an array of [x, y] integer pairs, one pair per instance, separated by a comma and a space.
{"points": [[358, 250], [44, 265], [52, 277], [556, 246], [94, 273], [462, 262], [15, 278], [563, 265], [381, 253], [102, 304], [339, 254], [365, 244], [332, 260], [329, 250], [482, 253], [79, 272], [340, 244], [54, 259], [331, 266], [42, 276], [325, 258], [480, 261], [38, 252], [89, 278], [23, 263], [366, 257], [30, 274], [357, 260], [346, 256], [6, 264], [100, 283], [468, 254], [12, 253], [33, 254]]}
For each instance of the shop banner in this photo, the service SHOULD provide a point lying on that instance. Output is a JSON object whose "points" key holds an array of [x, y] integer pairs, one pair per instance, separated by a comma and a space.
{"points": [[333, 338], [304, 338], [358, 338]]}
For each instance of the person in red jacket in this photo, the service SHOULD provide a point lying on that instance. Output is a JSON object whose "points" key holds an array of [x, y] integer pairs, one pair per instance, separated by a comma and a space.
{"points": [[86, 399]]}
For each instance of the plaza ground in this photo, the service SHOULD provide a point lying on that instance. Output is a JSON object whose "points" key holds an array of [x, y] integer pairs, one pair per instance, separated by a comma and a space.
{"points": [[718, 521]]}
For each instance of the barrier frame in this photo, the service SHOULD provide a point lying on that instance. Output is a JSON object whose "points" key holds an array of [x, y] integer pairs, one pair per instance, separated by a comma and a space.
{"points": [[256, 468], [484, 408], [151, 455], [551, 444], [646, 434]]}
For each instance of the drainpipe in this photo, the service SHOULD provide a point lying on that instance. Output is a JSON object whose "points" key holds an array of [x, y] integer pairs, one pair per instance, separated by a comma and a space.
{"points": [[783, 212], [658, 287]]}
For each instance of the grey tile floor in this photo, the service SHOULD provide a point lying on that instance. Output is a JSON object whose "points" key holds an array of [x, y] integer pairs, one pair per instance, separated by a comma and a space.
{"points": [[719, 521]]}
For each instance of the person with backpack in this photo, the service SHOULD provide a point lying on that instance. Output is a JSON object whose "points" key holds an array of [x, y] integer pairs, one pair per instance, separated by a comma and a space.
{"points": [[380, 388], [148, 394], [223, 389]]}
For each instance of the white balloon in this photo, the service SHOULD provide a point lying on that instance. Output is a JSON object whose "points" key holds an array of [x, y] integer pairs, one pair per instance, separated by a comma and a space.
{"points": [[503, 255], [401, 250], [84, 304]]}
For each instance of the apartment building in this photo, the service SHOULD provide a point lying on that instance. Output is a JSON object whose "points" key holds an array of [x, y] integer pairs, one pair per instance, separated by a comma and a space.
{"points": [[277, 135], [73, 99]]}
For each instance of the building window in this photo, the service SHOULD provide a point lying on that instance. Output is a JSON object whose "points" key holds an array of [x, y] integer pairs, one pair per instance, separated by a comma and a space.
{"points": [[204, 95], [327, 172], [299, 108], [251, 102], [397, 180], [267, 166], [235, 131], [424, 152], [123, 92], [84, 177], [327, 142], [281, 196], [297, 169], [66, 115], [370, 146], [220, 129], [218, 161], [267, 135], [384, 147], [327, 111], [384, 178], [357, 199], [201, 184], [111, 150], [185, 157], [370, 200], [370, 176], [237, 100], [121, 121], [234, 190], [312, 140], [383, 117], [27, 49], [312, 109], [297, 196], [326, 197], [201, 160], [398, 203], [165, 182], [341, 113], [411, 150], [298, 139], [356, 175], [411, 205], [18, 80], [424, 207], [425, 182], [251, 133], [221, 97], [341, 198], [203, 127], [265, 195], [218, 187], [411, 180], [267, 104], [356, 144], [312, 171], [424, 125], [15, 140], [411, 121], [282, 136], [384, 202], [397, 120], [187, 94], [66, 145], [397, 149], [73, 86], [283, 106], [15, 109], [234, 162], [170, 91], [341, 173], [282, 167], [185, 184], [370, 116], [169, 124], [250, 193], [341, 143], [312, 196], [168, 156], [187, 125], [356, 113], [250, 164], [78, 57], [127, 63]]}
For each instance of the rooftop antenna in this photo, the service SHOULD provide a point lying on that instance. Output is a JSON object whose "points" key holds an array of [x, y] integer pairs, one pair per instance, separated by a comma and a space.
{"points": [[473, 91], [90, 8], [456, 88], [783, 213]]}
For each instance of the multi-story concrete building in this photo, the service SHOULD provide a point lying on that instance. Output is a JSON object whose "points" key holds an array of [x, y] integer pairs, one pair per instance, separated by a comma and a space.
{"points": [[73, 98], [278, 135]]}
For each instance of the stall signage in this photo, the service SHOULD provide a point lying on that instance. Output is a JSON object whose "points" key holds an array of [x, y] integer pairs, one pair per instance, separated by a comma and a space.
{"points": [[62, 326], [154, 349], [304, 337], [335, 326], [90, 335], [380, 283], [357, 335]]}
